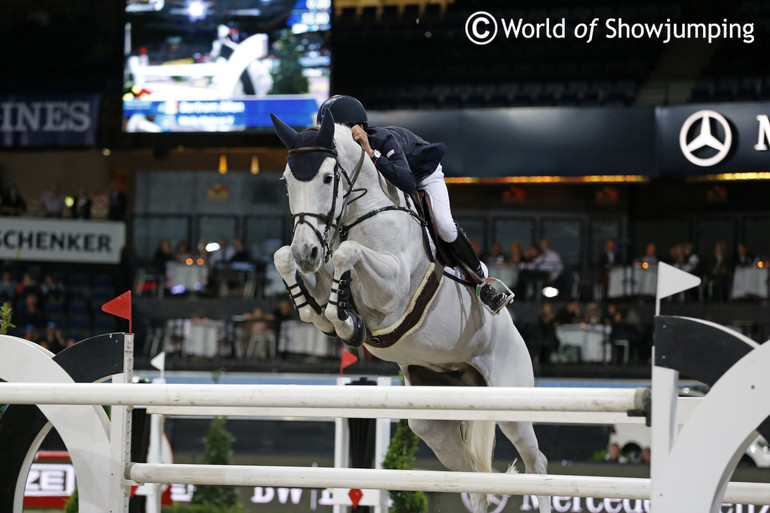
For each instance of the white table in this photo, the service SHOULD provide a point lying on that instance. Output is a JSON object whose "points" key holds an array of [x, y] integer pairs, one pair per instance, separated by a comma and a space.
{"points": [[304, 338], [192, 277], [750, 282], [203, 339], [589, 338], [632, 281]]}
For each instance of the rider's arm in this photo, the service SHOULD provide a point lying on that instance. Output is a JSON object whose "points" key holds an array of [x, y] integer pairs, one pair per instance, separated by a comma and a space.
{"points": [[392, 161]]}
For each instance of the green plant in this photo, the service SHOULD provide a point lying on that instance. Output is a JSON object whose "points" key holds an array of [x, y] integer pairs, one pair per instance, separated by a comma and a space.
{"points": [[72, 503], [400, 456], [5, 318], [217, 452]]}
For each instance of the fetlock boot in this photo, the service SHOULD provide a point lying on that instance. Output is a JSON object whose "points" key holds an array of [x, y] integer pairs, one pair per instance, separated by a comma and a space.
{"points": [[494, 299]]}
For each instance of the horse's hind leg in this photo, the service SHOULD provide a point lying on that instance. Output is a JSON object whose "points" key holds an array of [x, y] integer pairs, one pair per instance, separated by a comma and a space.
{"points": [[522, 435], [445, 438]]}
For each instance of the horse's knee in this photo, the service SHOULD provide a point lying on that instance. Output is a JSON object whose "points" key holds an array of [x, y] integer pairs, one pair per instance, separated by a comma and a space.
{"points": [[284, 262], [346, 255]]}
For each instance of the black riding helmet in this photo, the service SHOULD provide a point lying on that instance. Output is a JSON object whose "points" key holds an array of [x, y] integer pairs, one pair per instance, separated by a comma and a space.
{"points": [[345, 109]]}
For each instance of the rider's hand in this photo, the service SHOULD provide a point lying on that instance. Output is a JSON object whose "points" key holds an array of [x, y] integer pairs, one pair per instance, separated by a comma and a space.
{"points": [[359, 135]]}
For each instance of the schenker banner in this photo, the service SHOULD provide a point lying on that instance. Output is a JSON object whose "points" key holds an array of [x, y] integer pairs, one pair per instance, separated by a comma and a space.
{"points": [[48, 120], [55, 240]]}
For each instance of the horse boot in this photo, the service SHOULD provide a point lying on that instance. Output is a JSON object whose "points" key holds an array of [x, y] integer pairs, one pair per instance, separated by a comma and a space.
{"points": [[492, 298], [346, 308]]}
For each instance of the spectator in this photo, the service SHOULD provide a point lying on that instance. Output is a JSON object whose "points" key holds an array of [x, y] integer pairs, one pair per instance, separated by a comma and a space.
{"points": [[676, 256], [182, 253], [52, 201], [496, 255], [546, 333], [116, 210], [517, 253], [262, 337], [742, 256], [52, 291], [284, 312], [163, 255], [240, 254], [625, 325], [30, 315], [27, 286], [569, 313], [52, 338], [608, 259], [613, 455], [650, 255], [81, 205], [593, 314], [718, 273], [13, 203], [546, 268], [7, 287], [223, 254]]}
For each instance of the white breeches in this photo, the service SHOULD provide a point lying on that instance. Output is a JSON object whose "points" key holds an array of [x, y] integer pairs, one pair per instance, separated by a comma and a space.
{"points": [[435, 186]]}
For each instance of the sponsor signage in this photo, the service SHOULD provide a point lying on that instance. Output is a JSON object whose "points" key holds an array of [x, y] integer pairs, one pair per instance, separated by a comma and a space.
{"points": [[714, 139], [55, 240], [48, 120], [49, 485]]}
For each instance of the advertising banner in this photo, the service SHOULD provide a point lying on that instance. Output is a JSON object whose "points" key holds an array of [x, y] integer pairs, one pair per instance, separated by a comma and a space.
{"points": [[56, 240], [48, 120]]}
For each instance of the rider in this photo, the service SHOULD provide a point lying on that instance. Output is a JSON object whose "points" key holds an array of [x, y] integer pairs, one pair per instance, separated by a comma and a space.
{"points": [[410, 163]]}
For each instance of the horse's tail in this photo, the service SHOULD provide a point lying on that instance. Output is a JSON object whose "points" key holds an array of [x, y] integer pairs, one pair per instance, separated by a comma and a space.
{"points": [[479, 444]]}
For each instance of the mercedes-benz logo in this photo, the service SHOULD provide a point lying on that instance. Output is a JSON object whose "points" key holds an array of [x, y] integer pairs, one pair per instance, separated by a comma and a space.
{"points": [[705, 138]]}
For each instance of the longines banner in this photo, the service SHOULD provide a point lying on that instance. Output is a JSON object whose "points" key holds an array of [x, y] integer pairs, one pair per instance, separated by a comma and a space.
{"points": [[48, 120], [702, 139], [56, 240]]}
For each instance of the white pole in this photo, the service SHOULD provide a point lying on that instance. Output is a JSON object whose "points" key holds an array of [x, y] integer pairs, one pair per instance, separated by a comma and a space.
{"points": [[329, 396], [421, 480]]}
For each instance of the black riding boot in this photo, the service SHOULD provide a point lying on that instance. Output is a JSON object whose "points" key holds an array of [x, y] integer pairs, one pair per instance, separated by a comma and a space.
{"points": [[489, 295]]}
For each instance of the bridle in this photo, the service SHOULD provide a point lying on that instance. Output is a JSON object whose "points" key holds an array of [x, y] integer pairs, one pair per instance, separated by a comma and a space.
{"points": [[340, 230]]}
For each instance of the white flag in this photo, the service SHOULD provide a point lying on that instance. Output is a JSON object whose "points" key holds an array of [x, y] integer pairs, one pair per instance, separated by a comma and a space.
{"points": [[673, 281], [159, 362]]}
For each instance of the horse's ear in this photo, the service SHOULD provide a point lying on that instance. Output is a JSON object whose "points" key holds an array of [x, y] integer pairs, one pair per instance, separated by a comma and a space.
{"points": [[326, 132], [285, 133]]}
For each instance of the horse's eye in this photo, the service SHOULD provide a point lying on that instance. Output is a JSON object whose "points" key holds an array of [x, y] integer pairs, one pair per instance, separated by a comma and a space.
{"points": [[328, 179]]}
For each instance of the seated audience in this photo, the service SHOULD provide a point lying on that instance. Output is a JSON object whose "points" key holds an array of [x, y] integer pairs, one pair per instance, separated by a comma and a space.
{"points": [[13, 203]]}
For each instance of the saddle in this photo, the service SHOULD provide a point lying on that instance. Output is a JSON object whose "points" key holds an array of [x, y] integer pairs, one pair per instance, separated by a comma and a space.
{"points": [[439, 251]]}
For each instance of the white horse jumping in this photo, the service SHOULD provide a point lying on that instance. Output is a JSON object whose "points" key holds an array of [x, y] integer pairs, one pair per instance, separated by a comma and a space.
{"points": [[357, 267]]}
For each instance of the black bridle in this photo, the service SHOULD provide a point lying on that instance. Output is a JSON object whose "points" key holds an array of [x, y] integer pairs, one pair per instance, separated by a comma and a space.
{"points": [[328, 219]]}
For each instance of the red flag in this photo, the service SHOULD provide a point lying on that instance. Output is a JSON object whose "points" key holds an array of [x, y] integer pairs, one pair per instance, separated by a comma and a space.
{"points": [[120, 306], [355, 496], [348, 359]]}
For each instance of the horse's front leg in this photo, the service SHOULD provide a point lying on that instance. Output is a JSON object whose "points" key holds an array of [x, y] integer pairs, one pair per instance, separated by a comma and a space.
{"points": [[380, 287], [306, 304]]}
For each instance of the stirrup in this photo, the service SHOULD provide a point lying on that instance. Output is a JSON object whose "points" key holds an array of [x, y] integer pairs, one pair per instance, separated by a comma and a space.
{"points": [[500, 287]]}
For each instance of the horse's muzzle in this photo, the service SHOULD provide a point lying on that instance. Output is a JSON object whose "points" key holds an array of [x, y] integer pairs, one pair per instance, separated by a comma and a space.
{"points": [[307, 256]]}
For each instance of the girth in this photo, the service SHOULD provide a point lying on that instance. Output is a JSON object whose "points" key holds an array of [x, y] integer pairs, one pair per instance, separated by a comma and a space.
{"points": [[415, 313]]}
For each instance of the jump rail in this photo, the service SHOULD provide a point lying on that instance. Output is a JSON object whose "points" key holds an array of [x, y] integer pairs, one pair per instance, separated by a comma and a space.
{"points": [[419, 480], [474, 399]]}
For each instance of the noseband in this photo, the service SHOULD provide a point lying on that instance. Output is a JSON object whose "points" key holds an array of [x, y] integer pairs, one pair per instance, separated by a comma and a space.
{"points": [[328, 219]]}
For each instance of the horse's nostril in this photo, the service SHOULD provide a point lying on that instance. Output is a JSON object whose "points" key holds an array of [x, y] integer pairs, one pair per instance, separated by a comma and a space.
{"points": [[314, 253]]}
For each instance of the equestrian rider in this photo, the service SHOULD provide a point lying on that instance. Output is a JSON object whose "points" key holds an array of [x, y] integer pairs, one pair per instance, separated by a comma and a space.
{"points": [[411, 163]]}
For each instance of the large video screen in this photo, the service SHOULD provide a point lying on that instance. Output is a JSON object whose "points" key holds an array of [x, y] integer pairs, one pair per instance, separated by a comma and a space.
{"points": [[224, 65]]}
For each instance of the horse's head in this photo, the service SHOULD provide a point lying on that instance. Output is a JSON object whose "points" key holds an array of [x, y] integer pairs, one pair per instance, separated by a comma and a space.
{"points": [[315, 193]]}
